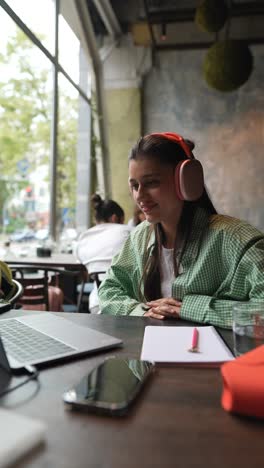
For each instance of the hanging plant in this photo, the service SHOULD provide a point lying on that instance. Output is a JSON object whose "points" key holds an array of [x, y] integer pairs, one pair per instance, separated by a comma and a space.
{"points": [[228, 65], [211, 15]]}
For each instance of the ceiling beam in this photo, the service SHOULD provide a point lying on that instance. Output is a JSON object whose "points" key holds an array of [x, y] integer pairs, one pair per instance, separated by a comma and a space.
{"points": [[108, 17], [188, 14], [202, 45]]}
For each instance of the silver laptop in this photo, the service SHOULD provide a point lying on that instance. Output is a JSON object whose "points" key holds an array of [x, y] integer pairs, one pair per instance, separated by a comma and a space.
{"points": [[42, 338]]}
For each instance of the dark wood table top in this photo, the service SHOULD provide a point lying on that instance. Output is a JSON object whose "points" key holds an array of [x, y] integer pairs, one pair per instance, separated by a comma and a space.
{"points": [[177, 421], [55, 260]]}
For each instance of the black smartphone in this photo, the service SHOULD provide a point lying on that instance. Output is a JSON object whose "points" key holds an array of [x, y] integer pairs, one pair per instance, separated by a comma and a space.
{"points": [[111, 387]]}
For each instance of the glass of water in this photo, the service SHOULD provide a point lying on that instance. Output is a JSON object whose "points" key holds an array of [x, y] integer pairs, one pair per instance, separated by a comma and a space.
{"points": [[248, 326]]}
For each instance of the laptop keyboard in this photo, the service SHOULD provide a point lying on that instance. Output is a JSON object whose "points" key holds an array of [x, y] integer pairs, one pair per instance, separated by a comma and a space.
{"points": [[26, 344]]}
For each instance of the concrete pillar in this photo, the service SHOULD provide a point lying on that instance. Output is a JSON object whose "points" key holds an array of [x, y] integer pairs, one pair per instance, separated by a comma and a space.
{"points": [[124, 69], [83, 152]]}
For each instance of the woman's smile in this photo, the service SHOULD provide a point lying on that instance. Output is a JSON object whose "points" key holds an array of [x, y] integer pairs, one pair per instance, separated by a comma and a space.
{"points": [[148, 207]]}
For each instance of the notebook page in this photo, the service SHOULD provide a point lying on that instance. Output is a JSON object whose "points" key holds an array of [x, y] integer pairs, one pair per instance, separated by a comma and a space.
{"points": [[171, 344]]}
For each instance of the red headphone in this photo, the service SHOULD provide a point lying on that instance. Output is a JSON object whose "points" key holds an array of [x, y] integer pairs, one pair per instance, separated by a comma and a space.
{"points": [[189, 178]]}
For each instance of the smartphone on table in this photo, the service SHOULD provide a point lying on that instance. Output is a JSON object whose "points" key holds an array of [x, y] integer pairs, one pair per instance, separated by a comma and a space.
{"points": [[111, 387]]}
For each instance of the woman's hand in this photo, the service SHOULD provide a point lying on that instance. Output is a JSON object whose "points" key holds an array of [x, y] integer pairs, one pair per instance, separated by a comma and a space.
{"points": [[163, 308]]}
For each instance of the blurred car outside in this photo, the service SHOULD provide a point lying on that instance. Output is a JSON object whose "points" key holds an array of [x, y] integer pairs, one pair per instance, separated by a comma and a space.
{"points": [[23, 235]]}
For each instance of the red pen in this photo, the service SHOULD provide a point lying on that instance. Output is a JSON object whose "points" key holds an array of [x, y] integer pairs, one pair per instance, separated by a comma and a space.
{"points": [[195, 339]]}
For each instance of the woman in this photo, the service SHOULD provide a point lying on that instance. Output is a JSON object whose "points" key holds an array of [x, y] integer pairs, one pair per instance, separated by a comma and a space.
{"points": [[185, 261], [97, 246]]}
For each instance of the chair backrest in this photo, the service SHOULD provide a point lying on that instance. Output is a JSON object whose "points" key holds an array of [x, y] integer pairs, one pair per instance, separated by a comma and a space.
{"points": [[97, 276], [35, 287]]}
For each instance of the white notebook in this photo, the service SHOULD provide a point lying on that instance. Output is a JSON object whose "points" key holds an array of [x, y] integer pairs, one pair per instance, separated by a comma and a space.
{"points": [[19, 435], [172, 344]]}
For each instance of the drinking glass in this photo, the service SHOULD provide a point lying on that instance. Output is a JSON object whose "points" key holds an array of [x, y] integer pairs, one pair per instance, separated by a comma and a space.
{"points": [[248, 326]]}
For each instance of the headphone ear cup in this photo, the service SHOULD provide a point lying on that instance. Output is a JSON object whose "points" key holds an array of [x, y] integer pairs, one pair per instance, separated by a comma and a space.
{"points": [[189, 180]]}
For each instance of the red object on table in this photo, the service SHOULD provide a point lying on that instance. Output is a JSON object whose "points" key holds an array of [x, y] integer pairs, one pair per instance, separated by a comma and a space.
{"points": [[243, 384]]}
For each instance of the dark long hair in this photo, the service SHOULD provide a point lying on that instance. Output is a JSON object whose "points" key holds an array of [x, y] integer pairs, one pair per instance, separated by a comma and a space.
{"points": [[168, 152], [104, 209]]}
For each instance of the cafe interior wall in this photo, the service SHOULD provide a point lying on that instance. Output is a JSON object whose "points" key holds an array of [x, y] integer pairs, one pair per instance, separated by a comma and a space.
{"points": [[227, 128], [123, 106], [169, 93]]}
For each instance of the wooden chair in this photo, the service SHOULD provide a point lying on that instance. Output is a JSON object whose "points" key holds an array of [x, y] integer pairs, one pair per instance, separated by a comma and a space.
{"points": [[35, 287], [97, 276], [66, 279], [54, 277]]}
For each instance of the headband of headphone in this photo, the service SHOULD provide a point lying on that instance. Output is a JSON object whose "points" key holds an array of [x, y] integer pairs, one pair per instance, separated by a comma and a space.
{"points": [[178, 139], [189, 179]]}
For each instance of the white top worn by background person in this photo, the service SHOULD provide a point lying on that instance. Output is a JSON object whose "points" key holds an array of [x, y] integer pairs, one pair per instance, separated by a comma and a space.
{"points": [[95, 249]]}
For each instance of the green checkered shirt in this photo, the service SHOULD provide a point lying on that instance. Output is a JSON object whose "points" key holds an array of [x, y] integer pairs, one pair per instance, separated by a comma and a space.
{"points": [[222, 263]]}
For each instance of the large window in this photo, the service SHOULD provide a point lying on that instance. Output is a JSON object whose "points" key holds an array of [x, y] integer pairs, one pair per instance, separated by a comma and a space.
{"points": [[67, 153], [27, 113], [39, 16]]}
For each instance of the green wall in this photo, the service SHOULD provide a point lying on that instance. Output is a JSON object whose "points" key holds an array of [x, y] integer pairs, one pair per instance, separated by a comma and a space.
{"points": [[124, 127]]}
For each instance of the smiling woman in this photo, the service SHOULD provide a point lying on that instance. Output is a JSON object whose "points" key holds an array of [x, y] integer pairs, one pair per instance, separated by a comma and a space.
{"points": [[153, 189], [185, 260]]}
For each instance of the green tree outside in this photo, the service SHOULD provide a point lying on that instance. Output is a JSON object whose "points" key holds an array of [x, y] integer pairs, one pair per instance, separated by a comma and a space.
{"points": [[25, 122]]}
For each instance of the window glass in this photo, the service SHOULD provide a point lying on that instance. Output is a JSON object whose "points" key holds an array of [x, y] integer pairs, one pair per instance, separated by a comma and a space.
{"points": [[39, 17], [67, 154], [26, 94], [25, 114]]}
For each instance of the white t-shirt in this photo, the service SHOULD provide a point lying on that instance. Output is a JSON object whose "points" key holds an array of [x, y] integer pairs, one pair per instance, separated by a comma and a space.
{"points": [[167, 271], [97, 246]]}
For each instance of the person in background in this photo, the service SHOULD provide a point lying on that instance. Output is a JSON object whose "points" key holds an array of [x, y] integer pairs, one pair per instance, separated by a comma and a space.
{"points": [[185, 261], [138, 217], [97, 246]]}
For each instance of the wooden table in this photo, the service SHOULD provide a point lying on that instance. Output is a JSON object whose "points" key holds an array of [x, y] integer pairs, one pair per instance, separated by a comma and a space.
{"points": [[64, 262], [55, 260], [177, 421]]}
